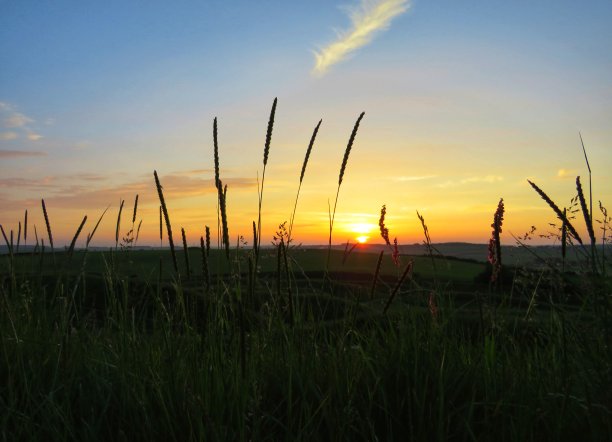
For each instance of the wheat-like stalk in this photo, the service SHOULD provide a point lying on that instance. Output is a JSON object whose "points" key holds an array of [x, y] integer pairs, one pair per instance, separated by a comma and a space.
{"points": [[36, 238], [216, 152], [160, 193], [205, 271], [495, 256], [222, 193], [18, 236], [207, 241], [186, 250], [585, 211], [90, 236], [135, 209], [76, 235], [44, 208], [118, 224], [347, 152], [138, 231], [254, 238], [564, 238], [269, 133], [263, 175], [161, 230], [407, 270], [349, 146], [25, 229], [376, 273], [384, 231], [557, 211], [304, 164], [6, 240]]}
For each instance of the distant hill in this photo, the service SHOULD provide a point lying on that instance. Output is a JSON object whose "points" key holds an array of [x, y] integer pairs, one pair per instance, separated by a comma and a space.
{"points": [[511, 255]]}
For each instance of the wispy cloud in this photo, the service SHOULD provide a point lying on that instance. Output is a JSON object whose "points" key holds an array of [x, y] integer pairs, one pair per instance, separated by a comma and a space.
{"points": [[89, 190], [405, 178], [472, 180], [566, 173], [17, 120], [8, 154], [10, 135], [34, 137], [371, 17]]}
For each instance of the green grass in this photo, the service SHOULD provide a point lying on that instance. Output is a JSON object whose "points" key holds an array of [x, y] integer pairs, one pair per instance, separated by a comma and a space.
{"points": [[115, 352]]}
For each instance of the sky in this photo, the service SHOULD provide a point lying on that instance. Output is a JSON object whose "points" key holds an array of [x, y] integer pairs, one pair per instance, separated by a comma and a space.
{"points": [[464, 102]]}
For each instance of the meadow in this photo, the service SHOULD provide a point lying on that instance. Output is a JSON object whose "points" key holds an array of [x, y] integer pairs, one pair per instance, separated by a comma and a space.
{"points": [[236, 341]]}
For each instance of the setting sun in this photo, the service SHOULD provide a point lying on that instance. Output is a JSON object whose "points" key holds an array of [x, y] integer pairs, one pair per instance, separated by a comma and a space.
{"points": [[362, 229]]}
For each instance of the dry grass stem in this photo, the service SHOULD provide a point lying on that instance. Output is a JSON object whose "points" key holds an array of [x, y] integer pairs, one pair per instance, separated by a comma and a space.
{"points": [[160, 193], [6, 240], [205, 271], [495, 254], [376, 273], [224, 228], [48, 224], [25, 229], [135, 209], [186, 250], [347, 152], [90, 236], [118, 224], [557, 211], [76, 235], [585, 211], [407, 270], [138, 232], [304, 164], [18, 236]]}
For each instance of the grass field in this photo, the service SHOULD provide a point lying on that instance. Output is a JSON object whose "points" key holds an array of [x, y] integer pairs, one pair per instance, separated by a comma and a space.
{"points": [[94, 344]]}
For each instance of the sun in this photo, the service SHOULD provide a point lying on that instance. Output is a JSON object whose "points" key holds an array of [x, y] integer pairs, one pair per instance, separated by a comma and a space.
{"points": [[362, 229]]}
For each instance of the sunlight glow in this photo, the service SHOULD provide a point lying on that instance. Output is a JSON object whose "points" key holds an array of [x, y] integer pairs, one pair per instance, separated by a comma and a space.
{"points": [[362, 239], [361, 227]]}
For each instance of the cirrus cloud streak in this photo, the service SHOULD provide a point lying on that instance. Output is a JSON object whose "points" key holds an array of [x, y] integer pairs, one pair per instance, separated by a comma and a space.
{"points": [[367, 20]]}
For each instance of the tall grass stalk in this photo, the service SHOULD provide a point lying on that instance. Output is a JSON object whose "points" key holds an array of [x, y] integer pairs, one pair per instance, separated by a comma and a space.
{"points": [[6, 240], [398, 285], [118, 227], [75, 237], [222, 193], [376, 273], [263, 175], [205, 270], [48, 224], [588, 221], [302, 173], [25, 229], [345, 158], [557, 211], [186, 250], [162, 201], [161, 229], [217, 180], [92, 233], [18, 236]]}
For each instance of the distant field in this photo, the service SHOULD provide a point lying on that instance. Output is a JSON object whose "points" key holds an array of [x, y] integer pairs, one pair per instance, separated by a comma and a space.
{"points": [[307, 261]]}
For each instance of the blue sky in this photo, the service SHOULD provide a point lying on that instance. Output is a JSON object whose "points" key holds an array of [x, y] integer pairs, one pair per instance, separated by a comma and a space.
{"points": [[473, 96]]}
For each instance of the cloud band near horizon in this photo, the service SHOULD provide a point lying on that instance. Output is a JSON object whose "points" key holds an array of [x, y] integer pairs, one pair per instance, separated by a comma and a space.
{"points": [[370, 18]]}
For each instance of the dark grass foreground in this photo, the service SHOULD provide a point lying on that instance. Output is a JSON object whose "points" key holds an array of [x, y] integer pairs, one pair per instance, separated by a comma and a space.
{"points": [[117, 357]]}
